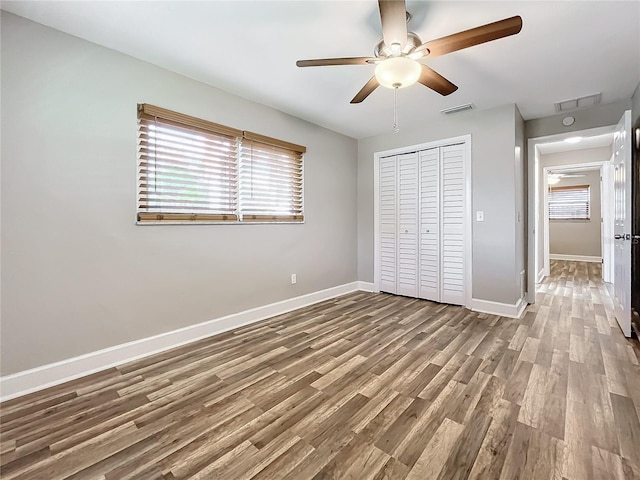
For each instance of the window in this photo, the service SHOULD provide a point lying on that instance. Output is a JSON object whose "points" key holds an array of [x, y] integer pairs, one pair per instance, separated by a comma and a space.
{"points": [[192, 170], [270, 181], [569, 203]]}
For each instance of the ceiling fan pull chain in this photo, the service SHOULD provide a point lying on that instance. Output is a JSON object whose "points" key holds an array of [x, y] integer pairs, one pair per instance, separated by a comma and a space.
{"points": [[396, 127]]}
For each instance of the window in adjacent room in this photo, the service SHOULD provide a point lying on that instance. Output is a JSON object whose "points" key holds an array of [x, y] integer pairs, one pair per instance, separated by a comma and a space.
{"points": [[569, 203], [192, 170]]}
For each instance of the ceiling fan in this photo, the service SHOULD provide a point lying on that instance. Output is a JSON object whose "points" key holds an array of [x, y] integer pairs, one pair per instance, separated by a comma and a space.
{"points": [[396, 55], [555, 177]]}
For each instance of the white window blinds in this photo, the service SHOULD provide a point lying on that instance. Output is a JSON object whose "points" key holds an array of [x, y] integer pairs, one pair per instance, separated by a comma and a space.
{"points": [[192, 170], [569, 203], [270, 181]]}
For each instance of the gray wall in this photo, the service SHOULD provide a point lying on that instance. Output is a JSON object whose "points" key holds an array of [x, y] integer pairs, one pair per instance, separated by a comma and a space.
{"points": [[592, 117], [77, 274], [493, 191], [579, 237], [572, 157]]}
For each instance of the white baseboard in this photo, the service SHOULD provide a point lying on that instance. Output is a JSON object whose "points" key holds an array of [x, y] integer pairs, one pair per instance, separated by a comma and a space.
{"points": [[540, 276], [575, 258], [28, 381], [366, 286], [496, 308]]}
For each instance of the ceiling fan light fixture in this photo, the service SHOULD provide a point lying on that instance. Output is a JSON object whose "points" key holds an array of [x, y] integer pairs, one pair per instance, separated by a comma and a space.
{"points": [[552, 179], [398, 72]]}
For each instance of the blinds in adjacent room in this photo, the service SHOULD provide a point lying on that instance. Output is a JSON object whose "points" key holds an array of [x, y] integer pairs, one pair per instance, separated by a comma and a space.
{"points": [[569, 203], [192, 170]]}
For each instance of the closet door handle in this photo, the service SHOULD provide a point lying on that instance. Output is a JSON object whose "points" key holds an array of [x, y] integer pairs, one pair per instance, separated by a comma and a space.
{"points": [[406, 231]]}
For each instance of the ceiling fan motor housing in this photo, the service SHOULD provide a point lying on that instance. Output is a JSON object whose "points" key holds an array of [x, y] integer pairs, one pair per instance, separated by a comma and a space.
{"points": [[382, 50]]}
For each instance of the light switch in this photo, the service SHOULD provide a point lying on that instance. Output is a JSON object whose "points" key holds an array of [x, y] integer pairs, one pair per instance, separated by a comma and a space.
{"points": [[479, 216]]}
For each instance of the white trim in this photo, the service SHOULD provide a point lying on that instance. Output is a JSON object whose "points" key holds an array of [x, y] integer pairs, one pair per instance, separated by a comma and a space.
{"points": [[533, 263], [496, 308], [575, 258], [466, 141], [376, 222], [468, 224], [28, 381], [424, 146], [367, 287], [545, 218], [606, 204]]}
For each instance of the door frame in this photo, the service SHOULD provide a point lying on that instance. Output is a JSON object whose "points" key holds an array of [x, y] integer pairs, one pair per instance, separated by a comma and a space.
{"points": [[606, 252], [465, 140], [533, 213]]}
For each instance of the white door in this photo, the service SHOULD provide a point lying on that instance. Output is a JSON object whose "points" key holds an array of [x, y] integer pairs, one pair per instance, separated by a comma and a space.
{"points": [[452, 224], [429, 288], [407, 283], [388, 220], [622, 223]]}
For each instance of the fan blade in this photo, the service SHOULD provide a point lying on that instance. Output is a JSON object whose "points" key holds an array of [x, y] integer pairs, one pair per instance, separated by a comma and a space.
{"points": [[321, 62], [435, 81], [393, 16], [474, 36], [369, 87]]}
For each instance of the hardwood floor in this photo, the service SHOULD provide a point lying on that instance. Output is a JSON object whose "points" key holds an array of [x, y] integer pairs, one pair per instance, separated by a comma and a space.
{"points": [[364, 386]]}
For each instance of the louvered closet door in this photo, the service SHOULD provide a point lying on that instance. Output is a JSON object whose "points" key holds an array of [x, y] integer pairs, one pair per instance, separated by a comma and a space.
{"points": [[388, 220], [452, 225], [408, 225], [429, 287]]}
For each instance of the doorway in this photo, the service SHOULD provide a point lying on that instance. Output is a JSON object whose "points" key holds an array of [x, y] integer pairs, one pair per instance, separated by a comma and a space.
{"points": [[576, 201], [616, 176], [556, 159]]}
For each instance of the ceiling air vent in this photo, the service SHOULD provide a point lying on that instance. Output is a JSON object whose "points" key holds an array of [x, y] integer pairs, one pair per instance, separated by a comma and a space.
{"points": [[458, 109], [576, 103]]}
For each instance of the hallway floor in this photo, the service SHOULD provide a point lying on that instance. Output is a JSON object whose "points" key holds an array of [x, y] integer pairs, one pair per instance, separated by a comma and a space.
{"points": [[599, 385]]}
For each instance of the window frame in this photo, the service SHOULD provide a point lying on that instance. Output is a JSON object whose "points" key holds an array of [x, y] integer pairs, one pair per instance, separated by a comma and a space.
{"points": [[186, 121], [565, 188]]}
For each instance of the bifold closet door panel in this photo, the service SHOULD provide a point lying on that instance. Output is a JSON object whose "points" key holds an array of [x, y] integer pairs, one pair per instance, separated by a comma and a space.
{"points": [[407, 283], [429, 285], [452, 224], [388, 221]]}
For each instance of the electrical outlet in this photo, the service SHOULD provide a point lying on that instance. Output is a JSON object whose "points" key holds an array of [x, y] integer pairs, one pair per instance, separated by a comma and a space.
{"points": [[479, 216], [294, 279]]}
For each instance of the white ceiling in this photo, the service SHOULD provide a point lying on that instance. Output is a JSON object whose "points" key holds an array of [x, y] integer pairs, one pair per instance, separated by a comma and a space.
{"points": [[595, 141], [565, 50]]}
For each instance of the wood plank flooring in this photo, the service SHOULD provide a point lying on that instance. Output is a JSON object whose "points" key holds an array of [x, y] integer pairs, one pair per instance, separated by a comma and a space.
{"points": [[364, 386]]}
